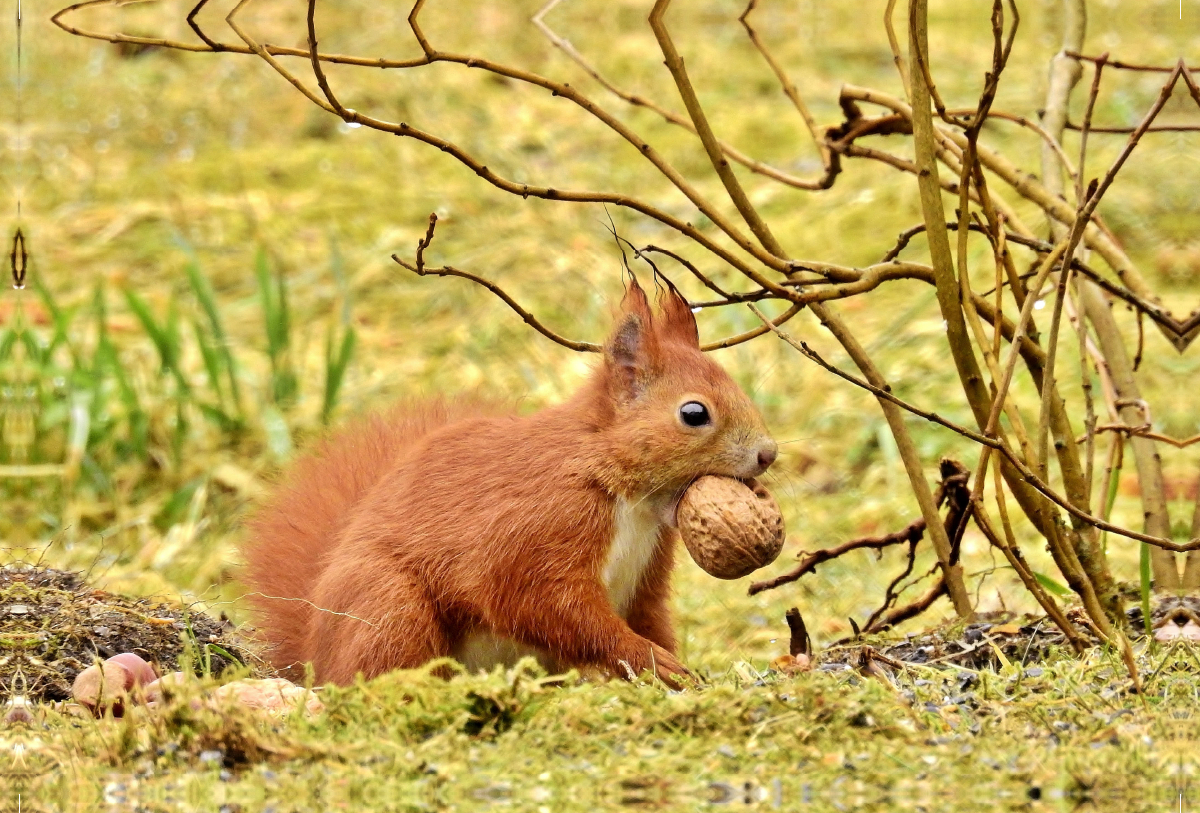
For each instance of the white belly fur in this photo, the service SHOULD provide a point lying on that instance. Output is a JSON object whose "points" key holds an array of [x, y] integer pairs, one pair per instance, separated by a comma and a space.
{"points": [[635, 538], [636, 527]]}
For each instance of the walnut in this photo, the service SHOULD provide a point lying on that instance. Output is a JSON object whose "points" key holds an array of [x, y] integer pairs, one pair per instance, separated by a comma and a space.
{"points": [[729, 526]]}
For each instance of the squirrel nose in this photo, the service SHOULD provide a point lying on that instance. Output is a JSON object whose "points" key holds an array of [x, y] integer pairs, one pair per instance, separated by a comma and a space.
{"points": [[766, 455]]}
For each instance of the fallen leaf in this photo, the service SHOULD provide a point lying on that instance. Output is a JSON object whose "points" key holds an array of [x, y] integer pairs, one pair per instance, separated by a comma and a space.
{"points": [[792, 664]]}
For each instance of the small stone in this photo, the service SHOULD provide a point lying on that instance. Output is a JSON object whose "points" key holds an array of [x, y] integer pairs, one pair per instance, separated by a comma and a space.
{"points": [[271, 695], [102, 687], [156, 691], [140, 672]]}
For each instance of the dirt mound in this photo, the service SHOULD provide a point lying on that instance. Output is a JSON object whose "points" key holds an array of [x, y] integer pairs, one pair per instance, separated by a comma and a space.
{"points": [[53, 625], [994, 639]]}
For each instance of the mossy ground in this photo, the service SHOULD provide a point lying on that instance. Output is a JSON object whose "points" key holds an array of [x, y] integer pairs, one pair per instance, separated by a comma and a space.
{"points": [[1064, 733], [139, 166]]}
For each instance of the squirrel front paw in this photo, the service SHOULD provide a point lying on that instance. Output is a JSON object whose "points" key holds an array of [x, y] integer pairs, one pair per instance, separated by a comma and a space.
{"points": [[651, 657], [671, 671]]}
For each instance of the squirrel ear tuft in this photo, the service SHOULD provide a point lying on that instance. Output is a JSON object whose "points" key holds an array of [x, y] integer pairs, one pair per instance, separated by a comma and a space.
{"points": [[678, 322], [635, 302]]}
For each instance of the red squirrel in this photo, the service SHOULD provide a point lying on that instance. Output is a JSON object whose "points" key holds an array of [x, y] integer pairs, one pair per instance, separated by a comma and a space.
{"points": [[457, 529]]}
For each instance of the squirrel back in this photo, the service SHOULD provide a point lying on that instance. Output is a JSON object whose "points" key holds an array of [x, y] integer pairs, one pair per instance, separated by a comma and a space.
{"points": [[451, 528], [297, 526]]}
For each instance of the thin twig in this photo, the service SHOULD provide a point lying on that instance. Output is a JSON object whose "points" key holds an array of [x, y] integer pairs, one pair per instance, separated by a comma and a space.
{"points": [[909, 534], [828, 158], [564, 45], [1118, 64], [1027, 474]]}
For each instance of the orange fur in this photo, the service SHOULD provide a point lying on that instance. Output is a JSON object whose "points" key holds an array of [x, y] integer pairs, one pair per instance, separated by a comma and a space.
{"points": [[407, 537]]}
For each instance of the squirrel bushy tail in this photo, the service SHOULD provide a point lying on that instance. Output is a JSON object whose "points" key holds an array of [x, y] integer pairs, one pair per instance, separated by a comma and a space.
{"points": [[292, 532]]}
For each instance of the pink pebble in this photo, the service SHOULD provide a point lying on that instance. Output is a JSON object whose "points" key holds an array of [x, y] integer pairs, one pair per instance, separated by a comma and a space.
{"points": [[102, 687], [140, 672], [156, 690]]}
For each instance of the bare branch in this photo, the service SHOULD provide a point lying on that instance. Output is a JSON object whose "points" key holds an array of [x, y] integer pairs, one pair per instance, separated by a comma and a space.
{"points": [[637, 100], [529, 318], [909, 534], [1027, 474], [733, 187], [828, 159]]}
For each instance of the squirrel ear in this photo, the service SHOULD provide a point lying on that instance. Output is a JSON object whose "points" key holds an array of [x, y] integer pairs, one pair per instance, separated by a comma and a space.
{"points": [[678, 322], [626, 354], [631, 347]]}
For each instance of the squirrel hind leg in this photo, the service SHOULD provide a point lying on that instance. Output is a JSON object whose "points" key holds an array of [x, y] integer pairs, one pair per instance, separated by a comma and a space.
{"points": [[375, 628]]}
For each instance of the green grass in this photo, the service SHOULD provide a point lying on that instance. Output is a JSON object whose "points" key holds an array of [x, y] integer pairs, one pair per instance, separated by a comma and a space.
{"points": [[1051, 737], [211, 286]]}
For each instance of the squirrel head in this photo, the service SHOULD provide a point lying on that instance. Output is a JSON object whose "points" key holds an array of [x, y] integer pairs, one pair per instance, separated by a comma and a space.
{"points": [[675, 414]]}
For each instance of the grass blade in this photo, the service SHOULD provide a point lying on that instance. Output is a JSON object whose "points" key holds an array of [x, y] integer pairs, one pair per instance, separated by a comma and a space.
{"points": [[179, 435], [277, 321], [166, 345], [336, 363], [1110, 499], [335, 369], [220, 417], [212, 361], [62, 319], [1050, 584], [1144, 571], [220, 347], [137, 419], [206, 298]]}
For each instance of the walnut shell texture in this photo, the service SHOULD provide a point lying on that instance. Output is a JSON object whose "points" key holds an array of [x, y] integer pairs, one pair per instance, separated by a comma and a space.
{"points": [[730, 527]]}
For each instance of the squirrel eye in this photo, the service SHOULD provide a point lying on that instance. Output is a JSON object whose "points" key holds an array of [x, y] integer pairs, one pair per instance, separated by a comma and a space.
{"points": [[694, 413]]}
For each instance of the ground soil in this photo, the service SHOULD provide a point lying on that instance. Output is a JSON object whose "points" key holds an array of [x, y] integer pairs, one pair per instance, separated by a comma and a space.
{"points": [[53, 625], [994, 638]]}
